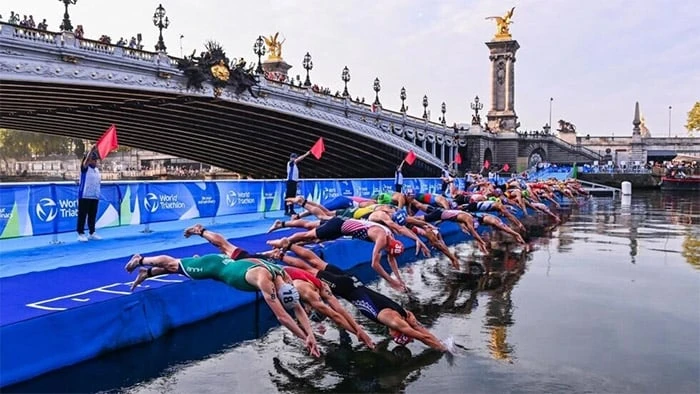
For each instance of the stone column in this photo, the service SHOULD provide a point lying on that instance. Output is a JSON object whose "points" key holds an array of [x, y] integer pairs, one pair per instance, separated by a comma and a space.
{"points": [[502, 116]]}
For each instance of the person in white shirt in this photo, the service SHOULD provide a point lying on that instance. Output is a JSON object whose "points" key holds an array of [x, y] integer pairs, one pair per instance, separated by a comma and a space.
{"points": [[292, 180], [88, 195]]}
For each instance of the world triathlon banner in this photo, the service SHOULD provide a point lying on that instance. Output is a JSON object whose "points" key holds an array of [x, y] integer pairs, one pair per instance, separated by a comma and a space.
{"points": [[51, 208]]}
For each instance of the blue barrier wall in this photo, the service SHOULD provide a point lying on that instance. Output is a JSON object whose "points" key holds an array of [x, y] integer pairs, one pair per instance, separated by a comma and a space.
{"points": [[51, 208]]}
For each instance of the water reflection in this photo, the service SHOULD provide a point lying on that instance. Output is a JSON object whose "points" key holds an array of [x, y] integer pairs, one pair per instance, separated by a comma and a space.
{"points": [[691, 250], [386, 369]]}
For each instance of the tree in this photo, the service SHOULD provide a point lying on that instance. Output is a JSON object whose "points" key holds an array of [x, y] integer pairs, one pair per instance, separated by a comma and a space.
{"points": [[694, 119]]}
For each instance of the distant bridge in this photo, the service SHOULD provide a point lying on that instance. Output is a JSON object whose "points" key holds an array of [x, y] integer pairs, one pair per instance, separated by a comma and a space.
{"points": [[58, 84]]}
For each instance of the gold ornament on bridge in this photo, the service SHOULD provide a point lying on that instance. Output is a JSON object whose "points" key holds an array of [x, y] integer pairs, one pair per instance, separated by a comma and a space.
{"points": [[274, 47], [220, 71], [502, 22]]}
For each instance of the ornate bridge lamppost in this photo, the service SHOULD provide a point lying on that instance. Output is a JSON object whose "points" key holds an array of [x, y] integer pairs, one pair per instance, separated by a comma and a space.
{"points": [[425, 107], [377, 88], [476, 107], [161, 22], [66, 25], [259, 49], [403, 98], [443, 109], [346, 78], [308, 66]]}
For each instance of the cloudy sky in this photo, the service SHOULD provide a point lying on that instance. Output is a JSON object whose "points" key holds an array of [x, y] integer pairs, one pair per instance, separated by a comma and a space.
{"points": [[594, 57]]}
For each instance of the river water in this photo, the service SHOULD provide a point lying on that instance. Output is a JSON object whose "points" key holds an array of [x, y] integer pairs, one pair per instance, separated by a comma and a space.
{"points": [[607, 302]]}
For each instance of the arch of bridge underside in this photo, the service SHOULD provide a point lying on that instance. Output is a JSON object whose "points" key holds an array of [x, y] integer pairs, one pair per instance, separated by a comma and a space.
{"points": [[247, 139]]}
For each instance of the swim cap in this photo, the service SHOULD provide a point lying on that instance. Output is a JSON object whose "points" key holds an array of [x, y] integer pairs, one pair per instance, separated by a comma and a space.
{"points": [[395, 247], [399, 337], [289, 296], [384, 198], [399, 217], [293, 156]]}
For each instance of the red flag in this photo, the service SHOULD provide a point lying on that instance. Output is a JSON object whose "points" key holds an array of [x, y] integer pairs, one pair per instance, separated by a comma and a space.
{"points": [[318, 149], [487, 164], [506, 167], [108, 142], [458, 158], [410, 158]]}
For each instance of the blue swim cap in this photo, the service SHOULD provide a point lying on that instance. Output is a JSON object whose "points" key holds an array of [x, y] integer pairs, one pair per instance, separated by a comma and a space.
{"points": [[399, 217]]}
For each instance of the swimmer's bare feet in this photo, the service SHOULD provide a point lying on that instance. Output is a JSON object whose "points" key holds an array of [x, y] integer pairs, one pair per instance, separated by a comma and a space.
{"points": [[143, 275], [193, 230], [278, 243], [296, 200], [278, 224], [135, 261]]}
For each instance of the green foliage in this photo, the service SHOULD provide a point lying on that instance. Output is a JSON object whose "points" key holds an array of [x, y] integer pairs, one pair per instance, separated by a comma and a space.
{"points": [[694, 118], [20, 144]]}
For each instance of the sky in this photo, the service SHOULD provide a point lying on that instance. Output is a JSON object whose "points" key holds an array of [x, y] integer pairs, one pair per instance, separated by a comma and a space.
{"points": [[595, 58]]}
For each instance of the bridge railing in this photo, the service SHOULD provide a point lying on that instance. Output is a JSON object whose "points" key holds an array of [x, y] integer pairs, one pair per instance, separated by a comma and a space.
{"points": [[52, 208]]}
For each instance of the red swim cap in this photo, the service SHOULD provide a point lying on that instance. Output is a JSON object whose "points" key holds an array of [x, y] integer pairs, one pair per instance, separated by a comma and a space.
{"points": [[395, 247]]}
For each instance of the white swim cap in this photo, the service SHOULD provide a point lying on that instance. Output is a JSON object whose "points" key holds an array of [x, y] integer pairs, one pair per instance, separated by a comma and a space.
{"points": [[289, 296]]}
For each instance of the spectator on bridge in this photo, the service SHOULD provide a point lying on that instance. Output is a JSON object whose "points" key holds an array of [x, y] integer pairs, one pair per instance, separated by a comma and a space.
{"points": [[43, 25], [79, 32], [24, 22], [88, 195], [292, 180], [30, 22], [121, 42], [14, 18]]}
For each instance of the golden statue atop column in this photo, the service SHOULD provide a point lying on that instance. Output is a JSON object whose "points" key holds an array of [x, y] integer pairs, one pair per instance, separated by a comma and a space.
{"points": [[502, 29], [274, 66], [501, 117], [274, 47]]}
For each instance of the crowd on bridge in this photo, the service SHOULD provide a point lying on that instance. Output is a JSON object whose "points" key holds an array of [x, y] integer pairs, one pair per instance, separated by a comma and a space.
{"points": [[299, 285]]}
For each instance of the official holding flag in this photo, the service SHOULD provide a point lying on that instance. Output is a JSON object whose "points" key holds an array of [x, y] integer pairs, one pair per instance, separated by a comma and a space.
{"points": [[90, 180], [88, 195], [292, 180], [293, 173]]}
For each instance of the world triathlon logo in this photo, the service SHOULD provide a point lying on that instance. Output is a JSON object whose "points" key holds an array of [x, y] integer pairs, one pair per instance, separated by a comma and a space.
{"points": [[231, 198], [46, 210], [150, 202]]}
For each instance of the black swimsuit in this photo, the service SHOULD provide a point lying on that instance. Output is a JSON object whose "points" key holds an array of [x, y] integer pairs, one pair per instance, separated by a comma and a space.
{"points": [[368, 301]]}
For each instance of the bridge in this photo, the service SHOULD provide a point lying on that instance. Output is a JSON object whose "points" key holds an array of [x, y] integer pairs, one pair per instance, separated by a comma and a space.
{"points": [[57, 83]]}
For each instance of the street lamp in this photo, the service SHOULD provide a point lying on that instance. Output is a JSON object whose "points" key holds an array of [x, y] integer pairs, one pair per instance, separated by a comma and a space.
{"points": [[403, 98], [161, 24], [476, 106], [66, 25], [443, 109], [259, 49], [425, 107], [346, 78], [377, 88], [669, 120], [308, 65], [550, 111]]}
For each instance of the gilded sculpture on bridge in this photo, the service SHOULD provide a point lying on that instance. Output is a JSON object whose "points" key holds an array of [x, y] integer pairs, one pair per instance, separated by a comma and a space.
{"points": [[502, 22], [214, 67], [274, 47]]}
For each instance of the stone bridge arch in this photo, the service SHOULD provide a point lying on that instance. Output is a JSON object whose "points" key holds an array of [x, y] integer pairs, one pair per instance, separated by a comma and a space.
{"points": [[536, 155]]}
